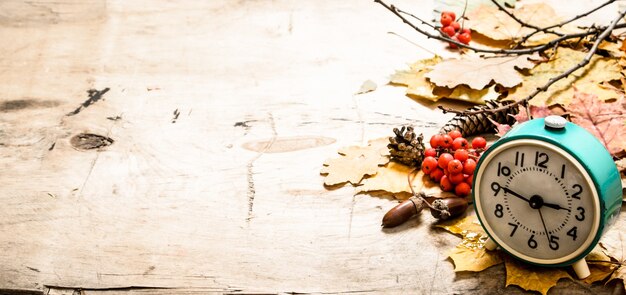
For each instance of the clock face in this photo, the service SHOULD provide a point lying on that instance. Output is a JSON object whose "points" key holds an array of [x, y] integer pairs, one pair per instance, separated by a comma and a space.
{"points": [[536, 201]]}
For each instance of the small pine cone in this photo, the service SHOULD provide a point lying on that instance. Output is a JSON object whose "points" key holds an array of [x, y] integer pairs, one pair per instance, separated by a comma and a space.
{"points": [[476, 124], [406, 147]]}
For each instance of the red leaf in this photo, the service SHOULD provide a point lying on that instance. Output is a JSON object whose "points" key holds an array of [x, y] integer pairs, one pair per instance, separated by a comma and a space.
{"points": [[603, 119], [501, 128], [535, 111]]}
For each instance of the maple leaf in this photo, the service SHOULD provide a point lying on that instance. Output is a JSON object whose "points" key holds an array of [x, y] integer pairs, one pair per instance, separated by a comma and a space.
{"points": [[530, 277], [470, 254], [587, 79], [419, 87], [477, 73], [356, 162], [489, 21], [604, 120]]}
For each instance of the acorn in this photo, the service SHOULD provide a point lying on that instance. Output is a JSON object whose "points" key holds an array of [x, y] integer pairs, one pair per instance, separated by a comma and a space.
{"points": [[448, 208], [403, 211]]}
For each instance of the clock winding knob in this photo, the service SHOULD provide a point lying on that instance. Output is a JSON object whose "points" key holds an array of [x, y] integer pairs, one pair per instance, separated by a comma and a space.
{"points": [[555, 122]]}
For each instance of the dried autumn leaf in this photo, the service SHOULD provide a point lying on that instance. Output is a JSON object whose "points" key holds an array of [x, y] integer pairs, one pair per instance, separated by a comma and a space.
{"points": [[621, 165], [489, 21], [604, 120], [477, 73], [419, 87], [367, 86], [600, 265], [521, 117], [467, 259], [391, 178], [414, 79], [530, 277], [587, 79], [615, 247], [356, 162], [470, 254]]}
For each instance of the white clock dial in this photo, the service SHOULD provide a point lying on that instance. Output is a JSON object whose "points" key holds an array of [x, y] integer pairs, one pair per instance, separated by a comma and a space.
{"points": [[537, 201]]}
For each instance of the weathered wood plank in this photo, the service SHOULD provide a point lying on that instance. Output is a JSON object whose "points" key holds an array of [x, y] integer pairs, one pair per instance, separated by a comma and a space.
{"points": [[188, 197]]}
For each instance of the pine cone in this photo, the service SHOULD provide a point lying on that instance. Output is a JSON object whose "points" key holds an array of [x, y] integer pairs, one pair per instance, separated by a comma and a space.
{"points": [[476, 124], [406, 147]]}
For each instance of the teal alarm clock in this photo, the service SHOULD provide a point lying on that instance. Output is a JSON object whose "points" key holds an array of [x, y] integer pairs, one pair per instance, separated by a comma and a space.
{"points": [[545, 192]]}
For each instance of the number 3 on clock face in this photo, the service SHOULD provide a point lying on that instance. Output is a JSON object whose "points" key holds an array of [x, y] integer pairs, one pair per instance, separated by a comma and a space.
{"points": [[537, 201]]}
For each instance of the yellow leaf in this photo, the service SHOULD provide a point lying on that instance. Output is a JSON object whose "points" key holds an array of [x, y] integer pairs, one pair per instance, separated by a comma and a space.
{"points": [[489, 21], [391, 178], [472, 259], [470, 254], [587, 79], [465, 93], [477, 72], [463, 226], [530, 277], [414, 79], [355, 162]]}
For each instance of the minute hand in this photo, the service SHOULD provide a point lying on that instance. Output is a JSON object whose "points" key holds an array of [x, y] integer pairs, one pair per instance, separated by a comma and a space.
{"points": [[515, 194]]}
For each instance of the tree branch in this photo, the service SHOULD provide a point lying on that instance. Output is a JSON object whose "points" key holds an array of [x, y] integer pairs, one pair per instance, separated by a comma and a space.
{"points": [[525, 38], [524, 24], [529, 50], [553, 80]]}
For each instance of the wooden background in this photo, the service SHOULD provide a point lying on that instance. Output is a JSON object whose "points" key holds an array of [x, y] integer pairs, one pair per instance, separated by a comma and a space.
{"points": [[221, 113]]}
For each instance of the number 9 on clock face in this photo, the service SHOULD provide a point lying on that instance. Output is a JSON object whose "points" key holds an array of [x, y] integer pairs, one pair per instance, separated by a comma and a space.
{"points": [[537, 201]]}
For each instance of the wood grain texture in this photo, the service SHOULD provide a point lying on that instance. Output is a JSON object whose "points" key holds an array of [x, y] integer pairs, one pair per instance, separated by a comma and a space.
{"points": [[204, 188]]}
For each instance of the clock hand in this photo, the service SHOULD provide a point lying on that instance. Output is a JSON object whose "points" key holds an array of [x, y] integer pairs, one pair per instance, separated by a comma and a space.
{"points": [[545, 229], [555, 206], [507, 190]]}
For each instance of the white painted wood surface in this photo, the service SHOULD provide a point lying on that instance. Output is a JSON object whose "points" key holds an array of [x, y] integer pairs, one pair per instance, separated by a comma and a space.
{"points": [[179, 203]]}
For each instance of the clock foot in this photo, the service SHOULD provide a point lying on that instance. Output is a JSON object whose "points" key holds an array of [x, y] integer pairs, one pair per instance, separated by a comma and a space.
{"points": [[581, 269], [490, 245]]}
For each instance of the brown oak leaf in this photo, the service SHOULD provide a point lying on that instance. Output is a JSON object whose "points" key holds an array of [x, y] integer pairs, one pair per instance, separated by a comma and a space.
{"points": [[477, 73], [603, 119], [489, 21], [419, 87]]}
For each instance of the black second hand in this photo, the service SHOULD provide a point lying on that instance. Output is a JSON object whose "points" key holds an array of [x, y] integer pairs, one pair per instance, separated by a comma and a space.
{"points": [[545, 229]]}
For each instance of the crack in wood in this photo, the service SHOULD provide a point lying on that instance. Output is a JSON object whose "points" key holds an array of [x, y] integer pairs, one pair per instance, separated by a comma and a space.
{"points": [[94, 96], [251, 193]]}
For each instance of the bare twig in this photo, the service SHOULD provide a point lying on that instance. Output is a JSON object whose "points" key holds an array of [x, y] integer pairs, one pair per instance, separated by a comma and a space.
{"points": [[525, 38], [443, 37], [553, 80], [523, 23]]}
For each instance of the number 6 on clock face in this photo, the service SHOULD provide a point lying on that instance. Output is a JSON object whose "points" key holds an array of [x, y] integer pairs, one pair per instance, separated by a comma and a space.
{"points": [[537, 201]]}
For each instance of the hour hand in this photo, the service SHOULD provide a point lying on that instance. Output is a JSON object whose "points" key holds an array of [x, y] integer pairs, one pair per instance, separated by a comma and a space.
{"points": [[507, 190], [555, 206]]}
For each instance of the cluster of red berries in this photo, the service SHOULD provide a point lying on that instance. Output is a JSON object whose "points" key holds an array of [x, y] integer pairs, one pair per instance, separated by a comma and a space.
{"points": [[453, 29], [451, 161]]}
